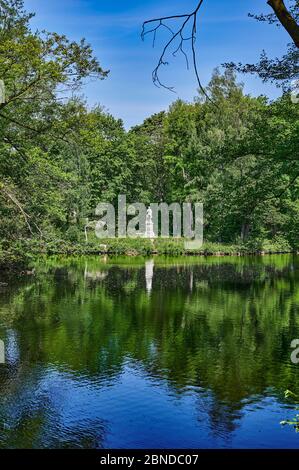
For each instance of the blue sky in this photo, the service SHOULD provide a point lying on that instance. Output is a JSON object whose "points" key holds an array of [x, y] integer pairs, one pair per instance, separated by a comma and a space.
{"points": [[113, 29]]}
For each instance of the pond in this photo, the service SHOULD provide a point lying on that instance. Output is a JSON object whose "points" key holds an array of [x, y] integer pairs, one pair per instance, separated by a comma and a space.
{"points": [[150, 353]]}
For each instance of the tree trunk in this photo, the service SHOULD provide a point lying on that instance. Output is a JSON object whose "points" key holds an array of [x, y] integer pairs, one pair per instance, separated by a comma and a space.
{"points": [[286, 19], [245, 231]]}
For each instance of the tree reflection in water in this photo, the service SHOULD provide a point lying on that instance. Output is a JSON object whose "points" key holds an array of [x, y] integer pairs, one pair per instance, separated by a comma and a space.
{"points": [[133, 352]]}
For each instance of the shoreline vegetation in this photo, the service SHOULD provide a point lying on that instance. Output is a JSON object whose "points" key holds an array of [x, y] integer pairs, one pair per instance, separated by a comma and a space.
{"points": [[18, 258]]}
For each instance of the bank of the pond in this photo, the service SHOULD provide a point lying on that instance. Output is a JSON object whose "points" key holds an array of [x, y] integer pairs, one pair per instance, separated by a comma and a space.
{"points": [[18, 256]]}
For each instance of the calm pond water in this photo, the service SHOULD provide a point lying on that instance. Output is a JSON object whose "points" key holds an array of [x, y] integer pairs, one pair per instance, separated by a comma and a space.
{"points": [[141, 353]]}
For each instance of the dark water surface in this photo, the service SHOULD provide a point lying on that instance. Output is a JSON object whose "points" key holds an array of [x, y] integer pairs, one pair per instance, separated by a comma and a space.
{"points": [[163, 353]]}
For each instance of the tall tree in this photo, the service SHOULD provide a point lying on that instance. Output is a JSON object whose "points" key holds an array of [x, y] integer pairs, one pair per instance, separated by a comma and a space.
{"points": [[39, 70]]}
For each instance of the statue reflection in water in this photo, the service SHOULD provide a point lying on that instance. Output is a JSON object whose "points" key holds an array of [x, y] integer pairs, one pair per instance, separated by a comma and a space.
{"points": [[149, 274]]}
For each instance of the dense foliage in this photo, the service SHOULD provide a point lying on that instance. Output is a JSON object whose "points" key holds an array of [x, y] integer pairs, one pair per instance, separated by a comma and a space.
{"points": [[58, 159]]}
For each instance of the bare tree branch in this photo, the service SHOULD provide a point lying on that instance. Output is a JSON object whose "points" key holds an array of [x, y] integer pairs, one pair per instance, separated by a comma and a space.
{"points": [[288, 18], [179, 37], [5, 191]]}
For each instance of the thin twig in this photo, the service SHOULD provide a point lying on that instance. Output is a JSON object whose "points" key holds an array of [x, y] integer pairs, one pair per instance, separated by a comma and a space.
{"points": [[158, 23]]}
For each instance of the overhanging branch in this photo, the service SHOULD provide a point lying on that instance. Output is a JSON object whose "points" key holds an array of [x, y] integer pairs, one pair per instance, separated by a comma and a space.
{"points": [[178, 39], [286, 19]]}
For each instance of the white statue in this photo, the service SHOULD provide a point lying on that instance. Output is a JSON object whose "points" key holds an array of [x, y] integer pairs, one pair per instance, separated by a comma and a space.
{"points": [[149, 225]]}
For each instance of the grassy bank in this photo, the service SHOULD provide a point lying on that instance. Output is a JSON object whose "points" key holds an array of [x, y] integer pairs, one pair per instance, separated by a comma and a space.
{"points": [[19, 255]]}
